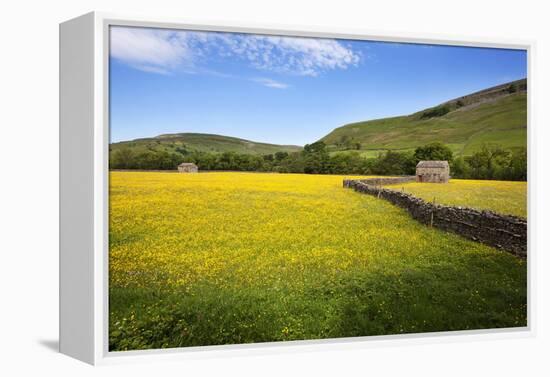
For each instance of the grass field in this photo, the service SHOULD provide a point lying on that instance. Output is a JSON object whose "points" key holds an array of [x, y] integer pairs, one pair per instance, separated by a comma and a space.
{"points": [[505, 197], [223, 258], [503, 121]]}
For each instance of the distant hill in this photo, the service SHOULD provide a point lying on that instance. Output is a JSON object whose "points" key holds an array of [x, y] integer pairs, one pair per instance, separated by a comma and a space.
{"points": [[191, 142], [495, 115]]}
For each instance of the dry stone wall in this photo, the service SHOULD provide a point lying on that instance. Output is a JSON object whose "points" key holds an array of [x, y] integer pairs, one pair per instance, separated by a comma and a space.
{"points": [[381, 181], [501, 231]]}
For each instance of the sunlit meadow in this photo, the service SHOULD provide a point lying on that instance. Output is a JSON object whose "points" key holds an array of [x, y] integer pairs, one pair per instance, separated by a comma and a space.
{"points": [[225, 258], [505, 197]]}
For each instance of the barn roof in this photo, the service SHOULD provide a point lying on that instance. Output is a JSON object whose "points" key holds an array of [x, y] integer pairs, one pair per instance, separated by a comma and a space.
{"points": [[187, 164], [432, 164]]}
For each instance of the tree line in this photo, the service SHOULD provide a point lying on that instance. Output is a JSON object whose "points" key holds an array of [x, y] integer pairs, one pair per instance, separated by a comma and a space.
{"points": [[492, 161]]}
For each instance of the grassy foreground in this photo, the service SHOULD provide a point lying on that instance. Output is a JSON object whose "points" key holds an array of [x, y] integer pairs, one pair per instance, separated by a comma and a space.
{"points": [[222, 258], [505, 197]]}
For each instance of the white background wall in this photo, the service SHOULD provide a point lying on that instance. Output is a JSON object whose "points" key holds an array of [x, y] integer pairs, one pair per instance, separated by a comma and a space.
{"points": [[29, 183]]}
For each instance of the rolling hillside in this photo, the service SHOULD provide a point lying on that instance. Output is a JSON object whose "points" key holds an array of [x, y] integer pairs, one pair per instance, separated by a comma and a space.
{"points": [[495, 115], [203, 143]]}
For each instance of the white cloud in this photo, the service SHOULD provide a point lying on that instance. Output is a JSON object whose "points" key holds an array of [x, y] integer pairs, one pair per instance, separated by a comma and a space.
{"points": [[164, 51], [290, 55], [302, 56], [270, 83], [150, 50]]}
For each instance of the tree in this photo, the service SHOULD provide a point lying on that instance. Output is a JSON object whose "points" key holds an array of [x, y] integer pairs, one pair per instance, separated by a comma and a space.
{"points": [[122, 159], [517, 169], [280, 156], [345, 163], [478, 166], [317, 147], [433, 151], [316, 158], [459, 168], [394, 163], [226, 161], [293, 163], [490, 162]]}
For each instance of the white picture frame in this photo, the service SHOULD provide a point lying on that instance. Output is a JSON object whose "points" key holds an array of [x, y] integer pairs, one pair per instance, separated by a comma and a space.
{"points": [[84, 141]]}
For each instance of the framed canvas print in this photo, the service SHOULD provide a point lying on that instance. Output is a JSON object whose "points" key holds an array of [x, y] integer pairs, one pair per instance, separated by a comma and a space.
{"points": [[226, 187]]}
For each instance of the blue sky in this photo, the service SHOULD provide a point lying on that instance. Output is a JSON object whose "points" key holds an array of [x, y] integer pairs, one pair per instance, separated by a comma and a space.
{"points": [[283, 90]]}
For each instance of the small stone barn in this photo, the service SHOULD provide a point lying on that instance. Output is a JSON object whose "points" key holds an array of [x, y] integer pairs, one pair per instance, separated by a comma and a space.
{"points": [[188, 167], [433, 171]]}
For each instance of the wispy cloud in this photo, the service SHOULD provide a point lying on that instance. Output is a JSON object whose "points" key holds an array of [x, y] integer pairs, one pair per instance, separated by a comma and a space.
{"points": [[290, 55], [165, 51], [270, 83], [150, 50]]}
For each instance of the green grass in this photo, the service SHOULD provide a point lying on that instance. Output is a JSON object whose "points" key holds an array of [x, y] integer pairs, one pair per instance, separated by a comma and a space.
{"points": [[366, 153], [504, 197], [512, 139], [203, 143], [225, 258], [503, 121]]}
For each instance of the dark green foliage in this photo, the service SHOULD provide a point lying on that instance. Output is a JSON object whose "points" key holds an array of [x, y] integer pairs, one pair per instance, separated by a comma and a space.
{"points": [[317, 147], [517, 168], [438, 111], [349, 163], [126, 158], [433, 151], [394, 163], [347, 143], [123, 159], [512, 88], [280, 156], [491, 162], [316, 158], [459, 168]]}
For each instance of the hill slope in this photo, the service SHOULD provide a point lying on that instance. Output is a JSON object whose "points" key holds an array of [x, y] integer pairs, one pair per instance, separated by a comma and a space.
{"points": [[203, 143], [497, 115]]}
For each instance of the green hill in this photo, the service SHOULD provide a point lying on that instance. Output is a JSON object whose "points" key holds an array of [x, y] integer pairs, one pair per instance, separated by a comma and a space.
{"points": [[494, 115], [191, 142]]}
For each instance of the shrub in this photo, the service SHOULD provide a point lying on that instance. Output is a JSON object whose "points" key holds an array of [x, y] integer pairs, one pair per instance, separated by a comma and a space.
{"points": [[435, 112]]}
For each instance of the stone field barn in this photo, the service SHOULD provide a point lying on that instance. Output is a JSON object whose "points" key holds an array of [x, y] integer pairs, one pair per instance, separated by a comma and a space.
{"points": [[433, 171], [188, 167]]}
